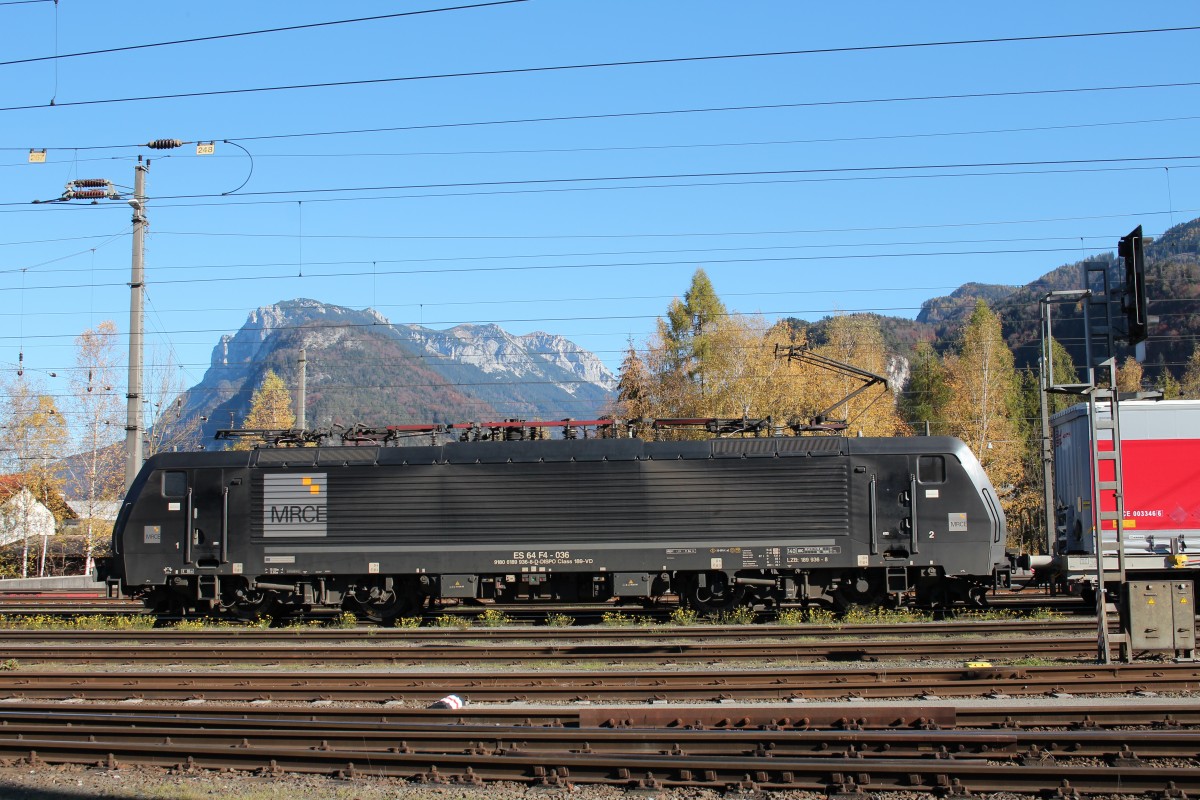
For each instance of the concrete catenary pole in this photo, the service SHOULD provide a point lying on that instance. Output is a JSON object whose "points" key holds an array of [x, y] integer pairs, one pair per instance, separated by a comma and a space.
{"points": [[133, 420]]}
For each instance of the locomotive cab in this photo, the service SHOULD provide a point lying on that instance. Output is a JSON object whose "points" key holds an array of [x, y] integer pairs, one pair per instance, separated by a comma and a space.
{"points": [[172, 540]]}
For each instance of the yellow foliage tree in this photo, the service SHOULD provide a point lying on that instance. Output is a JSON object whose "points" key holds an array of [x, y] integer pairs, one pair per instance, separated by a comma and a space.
{"points": [[1129, 375], [36, 436], [704, 361], [983, 407], [270, 409], [857, 340]]}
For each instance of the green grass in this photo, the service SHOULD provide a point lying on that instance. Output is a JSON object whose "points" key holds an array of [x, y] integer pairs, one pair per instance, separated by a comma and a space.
{"points": [[738, 615], [87, 622], [1007, 614], [884, 616], [493, 618], [619, 619], [806, 616], [684, 616]]}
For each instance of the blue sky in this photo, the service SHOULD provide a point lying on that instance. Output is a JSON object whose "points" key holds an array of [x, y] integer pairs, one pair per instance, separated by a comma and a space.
{"points": [[465, 211]]}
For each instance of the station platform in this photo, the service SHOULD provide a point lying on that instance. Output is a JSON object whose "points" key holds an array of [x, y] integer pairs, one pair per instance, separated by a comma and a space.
{"points": [[57, 584]]}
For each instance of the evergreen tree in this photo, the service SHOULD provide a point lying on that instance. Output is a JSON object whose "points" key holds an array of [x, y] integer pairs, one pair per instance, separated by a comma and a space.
{"points": [[1064, 372], [1189, 385], [634, 396], [928, 393], [1167, 384], [691, 326]]}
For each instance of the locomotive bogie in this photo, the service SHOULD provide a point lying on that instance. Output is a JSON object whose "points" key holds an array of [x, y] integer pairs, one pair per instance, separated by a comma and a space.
{"points": [[387, 531]]}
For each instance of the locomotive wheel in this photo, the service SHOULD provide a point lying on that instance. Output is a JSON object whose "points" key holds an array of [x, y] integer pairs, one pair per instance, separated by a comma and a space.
{"points": [[252, 611], [861, 593], [718, 593], [404, 601]]}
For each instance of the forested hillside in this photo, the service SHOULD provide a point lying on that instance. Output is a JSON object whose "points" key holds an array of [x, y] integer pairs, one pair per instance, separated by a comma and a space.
{"points": [[1172, 284]]}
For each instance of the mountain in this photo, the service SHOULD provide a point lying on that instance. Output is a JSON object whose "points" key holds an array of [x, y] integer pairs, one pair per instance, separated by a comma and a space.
{"points": [[1172, 286], [363, 369]]}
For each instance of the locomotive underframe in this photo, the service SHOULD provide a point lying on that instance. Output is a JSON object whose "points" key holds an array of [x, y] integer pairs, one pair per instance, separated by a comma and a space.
{"points": [[386, 598]]}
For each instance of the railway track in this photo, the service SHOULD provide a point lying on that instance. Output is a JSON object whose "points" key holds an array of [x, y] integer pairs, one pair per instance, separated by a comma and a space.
{"points": [[607, 686], [958, 640], [844, 758], [1171, 713], [517, 632], [301, 652]]}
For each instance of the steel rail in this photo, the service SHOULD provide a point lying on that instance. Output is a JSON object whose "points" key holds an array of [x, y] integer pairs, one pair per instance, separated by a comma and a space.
{"points": [[777, 742], [585, 686], [1069, 715], [764, 770], [543, 633], [367, 651]]}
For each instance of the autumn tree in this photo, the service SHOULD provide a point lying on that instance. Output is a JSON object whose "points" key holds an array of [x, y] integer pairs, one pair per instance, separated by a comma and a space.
{"points": [[857, 340], [984, 406], [705, 361], [36, 436], [98, 464], [1129, 376], [270, 408]]}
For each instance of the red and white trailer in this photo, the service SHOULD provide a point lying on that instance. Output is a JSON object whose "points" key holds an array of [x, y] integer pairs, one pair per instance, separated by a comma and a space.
{"points": [[1160, 454]]}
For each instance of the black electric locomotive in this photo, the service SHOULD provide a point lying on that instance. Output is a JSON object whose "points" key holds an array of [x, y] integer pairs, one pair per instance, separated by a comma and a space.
{"points": [[382, 530]]}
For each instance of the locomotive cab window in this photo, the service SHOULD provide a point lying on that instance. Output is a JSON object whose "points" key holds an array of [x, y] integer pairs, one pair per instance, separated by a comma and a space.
{"points": [[931, 469], [174, 484]]}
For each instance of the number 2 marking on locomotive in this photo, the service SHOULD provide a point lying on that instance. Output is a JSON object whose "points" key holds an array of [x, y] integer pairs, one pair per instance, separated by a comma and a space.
{"points": [[931, 535]]}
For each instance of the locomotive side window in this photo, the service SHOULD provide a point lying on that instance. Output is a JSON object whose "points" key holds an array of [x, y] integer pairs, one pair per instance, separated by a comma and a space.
{"points": [[931, 469], [174, 484]]}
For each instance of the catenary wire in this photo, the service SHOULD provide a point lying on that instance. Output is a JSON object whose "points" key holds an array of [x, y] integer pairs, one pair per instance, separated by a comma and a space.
{"points": [[753, 178], [240, 34], [594, 65], [544, 267], [822, 140], [776, 313], [592, 254], [857, 229], [227, 201]]}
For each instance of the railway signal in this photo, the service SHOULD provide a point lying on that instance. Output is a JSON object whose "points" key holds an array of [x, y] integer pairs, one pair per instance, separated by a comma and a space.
{"points": [[1133, 297]]}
